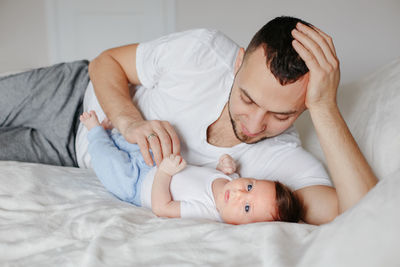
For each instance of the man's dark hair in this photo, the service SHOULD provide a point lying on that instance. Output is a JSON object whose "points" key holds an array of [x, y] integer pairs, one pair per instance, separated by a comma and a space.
{"points": [[276, 39], [289, 206]]}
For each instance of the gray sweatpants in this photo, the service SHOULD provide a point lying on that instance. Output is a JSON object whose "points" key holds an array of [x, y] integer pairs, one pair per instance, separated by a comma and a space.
{"points": [[39, 113]]}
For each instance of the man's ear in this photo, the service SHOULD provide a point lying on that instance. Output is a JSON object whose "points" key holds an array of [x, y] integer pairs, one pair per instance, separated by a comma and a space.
{"points": [[239, 59]]}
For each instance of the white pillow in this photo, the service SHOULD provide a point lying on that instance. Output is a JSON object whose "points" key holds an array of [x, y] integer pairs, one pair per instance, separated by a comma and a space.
{"points": [[371, 108]]}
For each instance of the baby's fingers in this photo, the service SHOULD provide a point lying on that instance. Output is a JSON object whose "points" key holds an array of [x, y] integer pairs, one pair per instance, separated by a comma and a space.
{"points": [[182, 164]]}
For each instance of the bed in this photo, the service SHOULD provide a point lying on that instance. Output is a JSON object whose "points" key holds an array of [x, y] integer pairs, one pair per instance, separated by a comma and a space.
{"points": [[62, 216]]}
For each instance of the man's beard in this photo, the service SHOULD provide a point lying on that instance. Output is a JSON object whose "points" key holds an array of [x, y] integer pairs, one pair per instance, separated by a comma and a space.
{"points": [[243, 138]]}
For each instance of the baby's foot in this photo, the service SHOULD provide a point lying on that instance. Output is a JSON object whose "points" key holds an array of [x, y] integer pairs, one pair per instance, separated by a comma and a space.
{"points": [[89, 119]]}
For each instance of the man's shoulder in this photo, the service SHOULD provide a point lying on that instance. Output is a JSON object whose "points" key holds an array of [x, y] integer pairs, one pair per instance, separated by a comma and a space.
{"points": [[204, 40], [203, 35]]}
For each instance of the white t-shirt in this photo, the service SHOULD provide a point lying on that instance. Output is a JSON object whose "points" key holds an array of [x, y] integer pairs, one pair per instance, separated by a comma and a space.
{"points": [[193, 188], [186, 78]]}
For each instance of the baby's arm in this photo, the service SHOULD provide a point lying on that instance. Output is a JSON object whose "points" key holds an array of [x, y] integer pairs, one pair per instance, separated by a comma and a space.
{"points": [[161, 199]]}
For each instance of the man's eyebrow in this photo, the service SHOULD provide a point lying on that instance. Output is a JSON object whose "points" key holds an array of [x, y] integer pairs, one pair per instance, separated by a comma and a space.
{"points": [[248, 96], [274, 112]]}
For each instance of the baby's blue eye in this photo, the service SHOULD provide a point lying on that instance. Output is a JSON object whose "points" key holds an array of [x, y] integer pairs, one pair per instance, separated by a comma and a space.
{"points": [[247, 207], [249, 187]]}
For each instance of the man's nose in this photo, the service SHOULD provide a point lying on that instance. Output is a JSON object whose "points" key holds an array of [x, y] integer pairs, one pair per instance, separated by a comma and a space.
{"points": [[256, 122]]}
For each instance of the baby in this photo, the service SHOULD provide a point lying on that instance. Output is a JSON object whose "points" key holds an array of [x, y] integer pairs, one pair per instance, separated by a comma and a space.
{"points": [[175, 189]]}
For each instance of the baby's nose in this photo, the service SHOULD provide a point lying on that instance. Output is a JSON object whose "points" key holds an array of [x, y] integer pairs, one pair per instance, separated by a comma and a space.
{"points": [[239, 194]]}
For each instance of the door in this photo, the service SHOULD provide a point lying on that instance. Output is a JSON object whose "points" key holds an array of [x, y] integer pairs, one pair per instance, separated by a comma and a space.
{"points": [[83, 29]]}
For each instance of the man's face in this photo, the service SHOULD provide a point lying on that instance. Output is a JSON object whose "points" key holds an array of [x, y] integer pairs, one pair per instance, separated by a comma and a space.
{"points": [[259, 106], [247, 200]]}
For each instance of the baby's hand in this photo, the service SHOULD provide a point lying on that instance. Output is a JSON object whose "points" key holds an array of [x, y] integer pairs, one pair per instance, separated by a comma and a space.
{"points": [[226, 164], [172, 164]]}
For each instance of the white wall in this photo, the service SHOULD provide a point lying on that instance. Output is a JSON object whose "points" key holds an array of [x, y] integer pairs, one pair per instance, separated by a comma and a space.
{"points": [[23, 34], [366, 33], [83, 29]]}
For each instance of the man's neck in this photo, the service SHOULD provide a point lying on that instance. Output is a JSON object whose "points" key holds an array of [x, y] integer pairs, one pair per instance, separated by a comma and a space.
{"points": [[221, 133]]}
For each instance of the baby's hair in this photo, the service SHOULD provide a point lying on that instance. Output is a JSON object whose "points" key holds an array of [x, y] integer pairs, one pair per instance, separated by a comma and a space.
{"points": [[289, 206]]}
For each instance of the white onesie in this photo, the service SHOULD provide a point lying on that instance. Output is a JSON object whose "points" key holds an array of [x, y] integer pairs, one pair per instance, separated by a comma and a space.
{"points": [[193, 188]]}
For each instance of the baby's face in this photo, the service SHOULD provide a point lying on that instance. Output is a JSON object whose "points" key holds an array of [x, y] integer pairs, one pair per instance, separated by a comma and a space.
{"points": [[247, 200]]}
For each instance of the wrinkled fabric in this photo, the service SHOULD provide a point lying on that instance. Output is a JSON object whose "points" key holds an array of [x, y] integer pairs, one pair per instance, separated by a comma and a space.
{"points": [[60, 216], [39, 112]]}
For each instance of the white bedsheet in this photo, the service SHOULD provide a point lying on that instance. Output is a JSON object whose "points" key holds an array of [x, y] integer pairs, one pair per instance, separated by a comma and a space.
{"points": [[57, 216]]}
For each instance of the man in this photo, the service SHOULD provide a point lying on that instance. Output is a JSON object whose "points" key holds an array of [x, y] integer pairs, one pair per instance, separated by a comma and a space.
{"points": [[265, 99], [200, 95]]}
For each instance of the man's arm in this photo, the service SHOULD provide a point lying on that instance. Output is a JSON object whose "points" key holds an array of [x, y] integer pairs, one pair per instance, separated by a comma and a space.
{"points": [[350, 172], [111, 72], [162, 203], [320, 203]]}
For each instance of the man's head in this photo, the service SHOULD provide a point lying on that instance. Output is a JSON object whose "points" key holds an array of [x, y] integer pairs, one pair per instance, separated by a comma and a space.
{"points": [[269, 89], [248, 200]]}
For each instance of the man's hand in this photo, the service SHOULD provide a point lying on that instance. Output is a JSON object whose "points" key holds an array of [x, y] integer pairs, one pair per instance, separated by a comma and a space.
{"points": [[226, 164], [172, 164], [349, 170], [111, 73], [318, 52], [159, 136]]}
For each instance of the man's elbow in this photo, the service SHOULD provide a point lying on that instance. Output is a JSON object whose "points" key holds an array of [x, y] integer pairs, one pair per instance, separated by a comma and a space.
{"points": [[94, 63], [328, 216], [321, 207], [322, 218]]}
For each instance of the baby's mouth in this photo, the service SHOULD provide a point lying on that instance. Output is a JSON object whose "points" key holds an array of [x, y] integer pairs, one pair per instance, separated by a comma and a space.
{"points": [[226, 195]]}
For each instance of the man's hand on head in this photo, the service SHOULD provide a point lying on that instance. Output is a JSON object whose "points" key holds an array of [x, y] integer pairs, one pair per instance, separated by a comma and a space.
{"points": [[317, 50]]}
